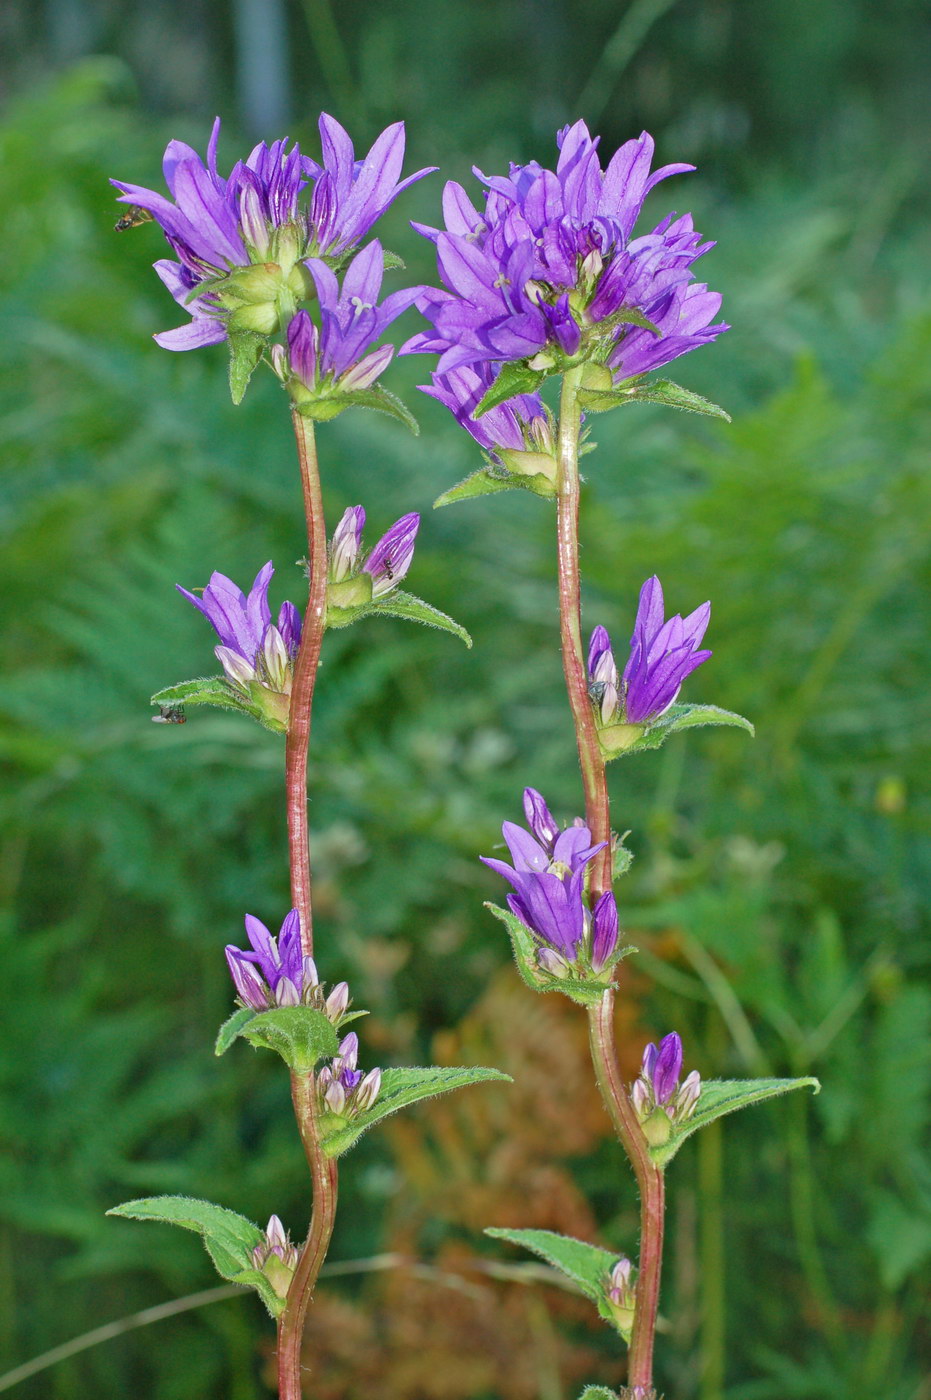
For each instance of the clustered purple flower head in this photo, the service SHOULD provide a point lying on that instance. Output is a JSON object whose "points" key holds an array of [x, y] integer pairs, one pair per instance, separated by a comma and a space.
{"points": [[276, 1257], [546, 271], [662, 654], [548, 876], [277, 973], [351, 319], [657, 1091], [255, 653], [342, 1087], [521, 425], [242, 240], [385, 564]]}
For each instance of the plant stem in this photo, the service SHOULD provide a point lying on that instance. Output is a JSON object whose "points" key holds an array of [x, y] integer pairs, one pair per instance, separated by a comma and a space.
{"points": [[323, 1170], [305, 675], [598, 817]]}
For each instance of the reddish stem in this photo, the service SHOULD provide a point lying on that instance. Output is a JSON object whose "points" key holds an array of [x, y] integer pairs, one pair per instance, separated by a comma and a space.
{"points": [[598, 817]]}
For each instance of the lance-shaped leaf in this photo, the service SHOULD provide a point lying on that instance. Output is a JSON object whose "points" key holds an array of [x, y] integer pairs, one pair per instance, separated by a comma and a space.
{"points": [[328, 406], [619, 739], [586, 1264], [487, 481], [206, 690], [301, 1035], [230, 1238], [245, 353], [400, 1087], [398, 604], [232, 1027], [662, 391], [584, 992], [720, 1096], [513, 378]]}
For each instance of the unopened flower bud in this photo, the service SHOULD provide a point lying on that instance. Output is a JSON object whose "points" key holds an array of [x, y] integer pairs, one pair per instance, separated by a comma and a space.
{"points": [[368, 1090], [337, 1003], [346, 543], [335, 1097], [553, 963]]}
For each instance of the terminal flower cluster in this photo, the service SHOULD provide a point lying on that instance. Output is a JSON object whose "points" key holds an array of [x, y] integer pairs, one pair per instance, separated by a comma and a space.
{"points": [[344, 1090], [548, 876], [546, 271], [242, 240], [277, 973]]}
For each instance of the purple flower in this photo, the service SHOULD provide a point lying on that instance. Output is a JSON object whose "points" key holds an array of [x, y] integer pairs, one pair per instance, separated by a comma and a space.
{"points": [[255, 653], [351, 320], [346, 544], [662, 654], [657, 1092], [391, 558], [276, 972], [548, 876], [343, 1089], [547, 269], [244, 238], [276, 1257], [519, 425]]}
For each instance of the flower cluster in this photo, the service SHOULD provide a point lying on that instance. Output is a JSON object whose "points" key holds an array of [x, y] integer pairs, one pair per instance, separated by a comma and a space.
{"points": [[657, 1097], [620, 1294], [548, 271], [548, 876], [356, 579], [662, 654], [256, 654], [337, 359], [344, 1090], [276, 1257], [277, 973], [518, 434], [242, 241]]}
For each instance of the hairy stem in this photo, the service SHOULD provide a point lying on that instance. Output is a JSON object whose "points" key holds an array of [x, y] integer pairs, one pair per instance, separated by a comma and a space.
{"points": [[323, 1170], [305, 676], [598, 817]]}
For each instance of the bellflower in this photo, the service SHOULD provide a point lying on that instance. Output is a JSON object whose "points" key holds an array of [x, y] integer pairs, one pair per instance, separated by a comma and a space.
{"points": [[343, 1089], [662, 654], [355, 579], [517, 434], [276, 1257], [548, 876], [334, 358], [256, 654], [657, 1097], [547, 269], [242, 240], [276, 972]]}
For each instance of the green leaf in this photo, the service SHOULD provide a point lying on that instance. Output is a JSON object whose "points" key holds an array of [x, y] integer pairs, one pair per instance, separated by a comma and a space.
{"points": [[627, 316], [232, 1027], [720, 1096], [206, 690], [254, 1278], [583, 992], [586, 1264], [383, 401], [245, 353], [513, 379], [230, 1238], [391, 261], [486, 482], [301, 1035], [598, 1392], [662, 391], [622, 856], [400, 1087], [693, 716], [398, 604], [620, 739]]}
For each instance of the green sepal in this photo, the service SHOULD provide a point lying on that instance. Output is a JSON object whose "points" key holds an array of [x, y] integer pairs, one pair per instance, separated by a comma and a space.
{"points": [[205, 690], [619, 739], [301, 1035], [513, 378], [585, 1264], [586, 992], [598, 1392], [625, 316], [622, 857], [232, 1027], [245, 352], [400, 1087], [488, 480], [228, 1237], [391, 262], [721, 1096], [662, 391], [398, 604], [327, 406]]}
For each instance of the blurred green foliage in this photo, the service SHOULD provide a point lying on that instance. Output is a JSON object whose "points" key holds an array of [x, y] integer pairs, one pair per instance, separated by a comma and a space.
{"points": [[780, 888]]}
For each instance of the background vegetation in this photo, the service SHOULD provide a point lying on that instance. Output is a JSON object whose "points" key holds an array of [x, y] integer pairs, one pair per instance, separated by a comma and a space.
{"points": [[780, 890]]}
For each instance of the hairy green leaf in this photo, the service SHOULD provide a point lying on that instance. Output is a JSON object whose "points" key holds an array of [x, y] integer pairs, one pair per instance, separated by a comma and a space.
{"points": [[513, 379], [486, 482], [245, 353], [301, 1035], [400, 1087], [399, 604], [586, 1264], [721, 1096], [232, 1028]]}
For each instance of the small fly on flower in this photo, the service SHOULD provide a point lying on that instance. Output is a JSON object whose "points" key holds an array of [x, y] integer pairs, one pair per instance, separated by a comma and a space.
{"points": [[133, 217], [388, 567], [170, 714]]}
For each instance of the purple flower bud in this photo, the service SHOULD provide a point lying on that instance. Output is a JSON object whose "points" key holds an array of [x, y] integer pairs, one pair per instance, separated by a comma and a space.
{"points": [[656, 1092], [275, 1235], [368, 1090], [349, 1050], [604, 931], [553, 963], [335, 1097], [620, 1288], [286, 994], [391, 558], [540, 819], [337, 1002], [250, 988], [688, 1096], [668, 1067], [346, 543]]}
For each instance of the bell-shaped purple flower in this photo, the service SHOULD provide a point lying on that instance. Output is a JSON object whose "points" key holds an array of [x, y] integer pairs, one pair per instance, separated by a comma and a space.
{"points": [[256, 654], [277, 973], [545, 271], [517, 433], [662, 654], [657, 1096], [391, 557]]}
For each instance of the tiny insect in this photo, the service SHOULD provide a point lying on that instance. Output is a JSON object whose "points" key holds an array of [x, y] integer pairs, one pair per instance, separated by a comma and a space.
{"points": [[170, 714], [133, 217], [388, 568], [596, 692]]}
